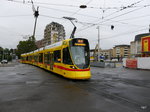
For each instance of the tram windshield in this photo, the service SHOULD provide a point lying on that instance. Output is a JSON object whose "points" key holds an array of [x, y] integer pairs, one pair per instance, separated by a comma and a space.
{"points": [[80, 53]]}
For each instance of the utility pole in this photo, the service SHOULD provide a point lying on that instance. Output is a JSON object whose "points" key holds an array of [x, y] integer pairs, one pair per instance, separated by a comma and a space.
{"points": [[98, 42], [36, 14]]}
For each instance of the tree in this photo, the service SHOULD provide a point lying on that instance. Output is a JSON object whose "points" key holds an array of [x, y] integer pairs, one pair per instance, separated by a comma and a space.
{"points": [[1, 53], [5, 53], [26, 46]]}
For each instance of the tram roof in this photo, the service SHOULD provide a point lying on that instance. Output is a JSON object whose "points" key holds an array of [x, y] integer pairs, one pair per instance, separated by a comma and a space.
{"points": [[46, 47]]}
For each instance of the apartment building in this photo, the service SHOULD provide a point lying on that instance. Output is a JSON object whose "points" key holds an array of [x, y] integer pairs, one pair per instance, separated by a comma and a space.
{"points": [[121, 51]]}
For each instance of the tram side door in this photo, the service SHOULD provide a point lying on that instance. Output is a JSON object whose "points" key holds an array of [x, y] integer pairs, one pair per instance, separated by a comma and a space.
{"points": [[51, 60]]}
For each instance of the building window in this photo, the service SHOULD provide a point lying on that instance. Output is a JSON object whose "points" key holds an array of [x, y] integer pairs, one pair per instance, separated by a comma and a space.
{"points": [[117, 50], [125, 50]]}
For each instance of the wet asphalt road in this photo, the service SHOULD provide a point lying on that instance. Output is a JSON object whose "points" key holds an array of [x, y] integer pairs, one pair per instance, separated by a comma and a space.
{"points": [[26, 88]]}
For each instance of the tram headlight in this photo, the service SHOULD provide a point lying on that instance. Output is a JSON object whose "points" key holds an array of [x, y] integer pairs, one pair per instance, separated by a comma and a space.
{"points": [[73, 67]]}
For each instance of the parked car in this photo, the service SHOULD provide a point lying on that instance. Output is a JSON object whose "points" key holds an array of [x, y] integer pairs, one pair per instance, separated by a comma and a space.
{"points": [[4, 61]]}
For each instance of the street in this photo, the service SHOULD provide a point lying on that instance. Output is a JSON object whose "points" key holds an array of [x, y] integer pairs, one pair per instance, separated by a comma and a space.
{"points": [[26, 88]]}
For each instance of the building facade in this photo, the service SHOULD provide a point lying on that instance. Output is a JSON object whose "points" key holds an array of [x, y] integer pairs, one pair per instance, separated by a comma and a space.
{"points": [[136, 45], [132, 49], [121, 51], [53, 32], [107, 53], [40, 43]]}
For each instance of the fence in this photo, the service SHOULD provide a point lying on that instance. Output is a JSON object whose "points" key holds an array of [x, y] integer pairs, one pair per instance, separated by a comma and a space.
{"points": [[139, 63]]}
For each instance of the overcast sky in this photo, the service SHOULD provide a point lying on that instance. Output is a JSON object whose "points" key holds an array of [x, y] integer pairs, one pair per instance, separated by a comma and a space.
{"points": [[129, 18]]}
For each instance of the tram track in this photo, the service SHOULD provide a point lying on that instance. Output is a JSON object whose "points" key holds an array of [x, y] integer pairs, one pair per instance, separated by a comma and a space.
{"points": [[117, 98]]}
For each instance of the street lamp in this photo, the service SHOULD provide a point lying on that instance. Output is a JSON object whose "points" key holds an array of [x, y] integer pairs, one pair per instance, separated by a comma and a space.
{"points": [[74, 29]]}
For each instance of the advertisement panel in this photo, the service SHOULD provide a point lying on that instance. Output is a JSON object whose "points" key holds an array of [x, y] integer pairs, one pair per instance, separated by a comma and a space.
{"points": [[146, 44], [131, 63]]}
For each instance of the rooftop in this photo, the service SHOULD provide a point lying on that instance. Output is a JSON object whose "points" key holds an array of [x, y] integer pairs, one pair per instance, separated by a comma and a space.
{"points": [[122, 45], [139, 36]]}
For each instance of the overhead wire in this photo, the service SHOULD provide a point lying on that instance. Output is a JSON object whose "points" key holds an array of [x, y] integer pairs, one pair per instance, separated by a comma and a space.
{"points": [[50, 16], [138, 17], [13, 16], [63, 10], [105, 20], [115, 13], [122, 14], [124, 33], [109, 19], [88, 15], [103, 8], [80, 8], [68, 12], [60, 10], [91, 16], [121, 34]]}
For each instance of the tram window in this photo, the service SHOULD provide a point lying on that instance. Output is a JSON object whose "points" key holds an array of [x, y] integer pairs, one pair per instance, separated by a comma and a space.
{"points": [[27, 58], [66, 56], [36, 58], [22, 58], [47, 58], [41, 57], [30, 58], [57, 56], [33, 58]]}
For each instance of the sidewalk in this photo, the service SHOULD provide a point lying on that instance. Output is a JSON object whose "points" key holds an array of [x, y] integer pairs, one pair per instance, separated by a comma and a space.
{"points": [[9, 64], [107, 64]]}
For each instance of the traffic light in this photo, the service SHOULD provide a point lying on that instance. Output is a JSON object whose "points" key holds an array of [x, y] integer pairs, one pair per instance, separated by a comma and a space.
{"points": [[36, 13], [112, 27]]}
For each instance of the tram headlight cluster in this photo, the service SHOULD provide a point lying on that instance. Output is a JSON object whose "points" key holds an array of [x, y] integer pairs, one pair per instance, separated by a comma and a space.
{"points": [[73, 67]]}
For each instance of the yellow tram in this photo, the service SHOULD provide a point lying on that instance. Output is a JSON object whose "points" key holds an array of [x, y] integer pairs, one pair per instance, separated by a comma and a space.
{"points": [[69, 58]]}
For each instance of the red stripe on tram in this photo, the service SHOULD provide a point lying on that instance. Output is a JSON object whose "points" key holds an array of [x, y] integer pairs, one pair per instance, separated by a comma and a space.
{"points": [[60, 67]]}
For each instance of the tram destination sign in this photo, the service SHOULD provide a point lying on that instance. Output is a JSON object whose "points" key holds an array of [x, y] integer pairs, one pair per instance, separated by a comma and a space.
{"points": [[79, 42]]}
